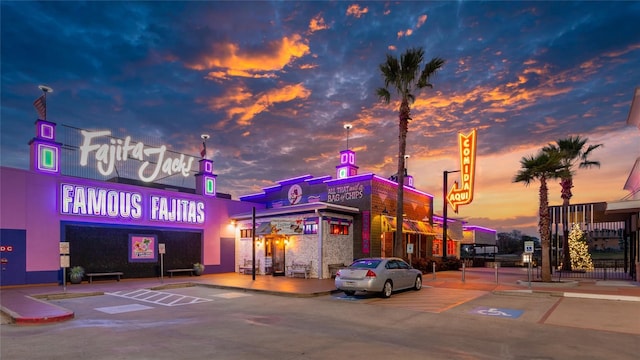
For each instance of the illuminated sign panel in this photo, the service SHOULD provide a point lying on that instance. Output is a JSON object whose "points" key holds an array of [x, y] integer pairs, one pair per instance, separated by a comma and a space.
{"points": [[342, 173], [462, 194], [209, 186], [154, 161], [345, 192], [118, 204], [47, 158]]}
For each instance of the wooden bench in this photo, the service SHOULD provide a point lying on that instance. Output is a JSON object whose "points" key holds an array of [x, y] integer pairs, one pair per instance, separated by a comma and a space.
{"points": [[247, 268], [115, 273], [297, 268], [173, 271], [333, 269]]}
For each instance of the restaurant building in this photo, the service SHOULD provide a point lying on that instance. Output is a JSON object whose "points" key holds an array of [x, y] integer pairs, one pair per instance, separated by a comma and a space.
{"points": [[103, 201], [128, 219], [323, 222]]}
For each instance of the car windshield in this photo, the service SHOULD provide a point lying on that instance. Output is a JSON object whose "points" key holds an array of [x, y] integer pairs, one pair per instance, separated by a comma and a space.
{"points": [[366, 264]]}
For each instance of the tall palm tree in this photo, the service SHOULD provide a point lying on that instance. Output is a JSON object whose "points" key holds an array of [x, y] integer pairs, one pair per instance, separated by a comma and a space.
{"points": [[546, 165], [572, 151], [405, 77]]}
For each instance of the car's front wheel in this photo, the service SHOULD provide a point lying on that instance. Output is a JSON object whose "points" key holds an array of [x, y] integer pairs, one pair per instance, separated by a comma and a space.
{"points": [[418, 284], [387, 289], [349, 292]]}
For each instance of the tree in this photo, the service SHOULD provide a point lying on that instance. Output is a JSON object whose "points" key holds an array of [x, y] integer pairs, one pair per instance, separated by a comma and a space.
{"points": [[572, 150], [405, 77], [580, 257], [546, 165]]}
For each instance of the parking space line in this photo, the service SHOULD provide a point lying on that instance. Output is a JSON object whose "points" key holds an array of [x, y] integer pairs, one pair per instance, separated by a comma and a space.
{"points": [[161, 298]]}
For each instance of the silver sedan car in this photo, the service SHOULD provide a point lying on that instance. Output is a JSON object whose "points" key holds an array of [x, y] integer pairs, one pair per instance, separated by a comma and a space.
{"points": [[383, 275]]}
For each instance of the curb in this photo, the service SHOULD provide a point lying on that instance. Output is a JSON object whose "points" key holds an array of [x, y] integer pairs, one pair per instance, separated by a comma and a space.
{"points": [[569, 295], [18, 319], [270, 292]]}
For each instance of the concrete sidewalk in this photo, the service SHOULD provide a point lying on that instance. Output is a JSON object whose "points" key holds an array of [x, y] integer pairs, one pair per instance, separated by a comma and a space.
{"points": [[29, 305]]}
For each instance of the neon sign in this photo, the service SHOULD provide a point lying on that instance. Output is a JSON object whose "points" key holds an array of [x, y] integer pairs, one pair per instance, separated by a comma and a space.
{"points": [[90, 201], [106, 155], [463, 194], [117, 204], [345, 193], [177, 210]]}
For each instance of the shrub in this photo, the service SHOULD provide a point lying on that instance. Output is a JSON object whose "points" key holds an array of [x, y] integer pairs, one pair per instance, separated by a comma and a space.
{"points": [[426, 264]]}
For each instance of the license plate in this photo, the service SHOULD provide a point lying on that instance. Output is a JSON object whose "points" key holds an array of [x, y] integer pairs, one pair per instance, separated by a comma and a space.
{"points": [[350, 283]]}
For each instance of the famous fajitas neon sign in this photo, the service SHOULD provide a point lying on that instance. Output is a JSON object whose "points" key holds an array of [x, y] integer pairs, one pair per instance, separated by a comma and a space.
{"points": [[106, 155], [83, 200]]}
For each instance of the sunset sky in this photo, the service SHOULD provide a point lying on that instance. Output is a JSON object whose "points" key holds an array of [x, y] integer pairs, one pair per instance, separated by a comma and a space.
{"points": [[273, 83]]}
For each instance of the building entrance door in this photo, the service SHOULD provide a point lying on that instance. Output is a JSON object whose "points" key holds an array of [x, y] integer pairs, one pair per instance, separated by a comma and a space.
{"points": [[278, 255]]}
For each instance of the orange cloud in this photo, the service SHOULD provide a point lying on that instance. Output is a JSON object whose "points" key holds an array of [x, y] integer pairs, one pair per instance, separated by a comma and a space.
{"points": [[407, 32], [228, 60], [242, 106], [317, 23], [355, 11], [421, 20]]}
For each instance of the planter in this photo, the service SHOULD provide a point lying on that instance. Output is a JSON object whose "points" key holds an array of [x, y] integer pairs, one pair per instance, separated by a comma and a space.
{"points": [[198, 269], [75, 274]]}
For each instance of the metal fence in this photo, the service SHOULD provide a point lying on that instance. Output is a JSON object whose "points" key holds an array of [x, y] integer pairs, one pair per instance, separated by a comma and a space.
{"points": [[603, 270]]}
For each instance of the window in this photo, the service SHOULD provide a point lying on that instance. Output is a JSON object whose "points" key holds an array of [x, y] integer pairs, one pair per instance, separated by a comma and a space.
{"points": [[246, 233], [339, 229], [311, 228], [365, 264]]}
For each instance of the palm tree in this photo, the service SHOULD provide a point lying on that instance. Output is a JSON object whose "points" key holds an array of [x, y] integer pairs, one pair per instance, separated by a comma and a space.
{"points": [[405, 77], [572, 150], [546, 165]]}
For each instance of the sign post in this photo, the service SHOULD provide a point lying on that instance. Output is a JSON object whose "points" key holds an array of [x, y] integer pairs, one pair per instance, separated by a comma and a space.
{"points": [[409, 251], [528, 257], [64, 262], [161, 251]]}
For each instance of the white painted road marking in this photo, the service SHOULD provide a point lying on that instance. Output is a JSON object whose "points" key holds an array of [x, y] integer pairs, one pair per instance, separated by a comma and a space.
{"points": [[123, 308], [505, 313], [158, 297], [231, 295]]}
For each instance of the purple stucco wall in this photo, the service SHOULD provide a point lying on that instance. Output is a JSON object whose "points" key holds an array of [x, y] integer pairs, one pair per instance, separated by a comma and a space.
{"points": [[30, 201]]}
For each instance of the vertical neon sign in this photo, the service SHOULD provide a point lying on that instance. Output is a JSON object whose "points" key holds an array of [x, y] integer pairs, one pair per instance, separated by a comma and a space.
{"points": [[462, 194]]}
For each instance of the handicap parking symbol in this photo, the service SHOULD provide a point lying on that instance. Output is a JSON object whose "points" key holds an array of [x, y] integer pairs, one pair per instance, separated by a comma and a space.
{"points": [[504, 313]]}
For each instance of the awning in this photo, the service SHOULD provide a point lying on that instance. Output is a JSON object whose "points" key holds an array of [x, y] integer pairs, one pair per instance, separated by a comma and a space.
{"points": [[408, 226]]}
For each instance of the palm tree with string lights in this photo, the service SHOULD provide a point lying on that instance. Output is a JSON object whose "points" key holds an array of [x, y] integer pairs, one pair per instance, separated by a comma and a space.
{"points": [[573, 152], [545, 166], [406, 77]]}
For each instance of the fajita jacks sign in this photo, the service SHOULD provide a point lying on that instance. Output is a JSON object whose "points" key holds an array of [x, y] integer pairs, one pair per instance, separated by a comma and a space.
{"points": [[462, 194], [153, 161]]}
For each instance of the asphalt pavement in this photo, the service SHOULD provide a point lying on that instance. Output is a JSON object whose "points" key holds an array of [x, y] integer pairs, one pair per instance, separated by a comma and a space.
{"points": [[22, 305]]}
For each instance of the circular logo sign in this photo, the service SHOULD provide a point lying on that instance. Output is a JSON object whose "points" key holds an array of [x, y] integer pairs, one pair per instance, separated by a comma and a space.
{"points": [[295, 194]]}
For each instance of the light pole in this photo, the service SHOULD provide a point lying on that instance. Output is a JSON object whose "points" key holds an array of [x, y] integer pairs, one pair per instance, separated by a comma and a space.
{"points": [[445, 185], [348, 127], [406, 165]]}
